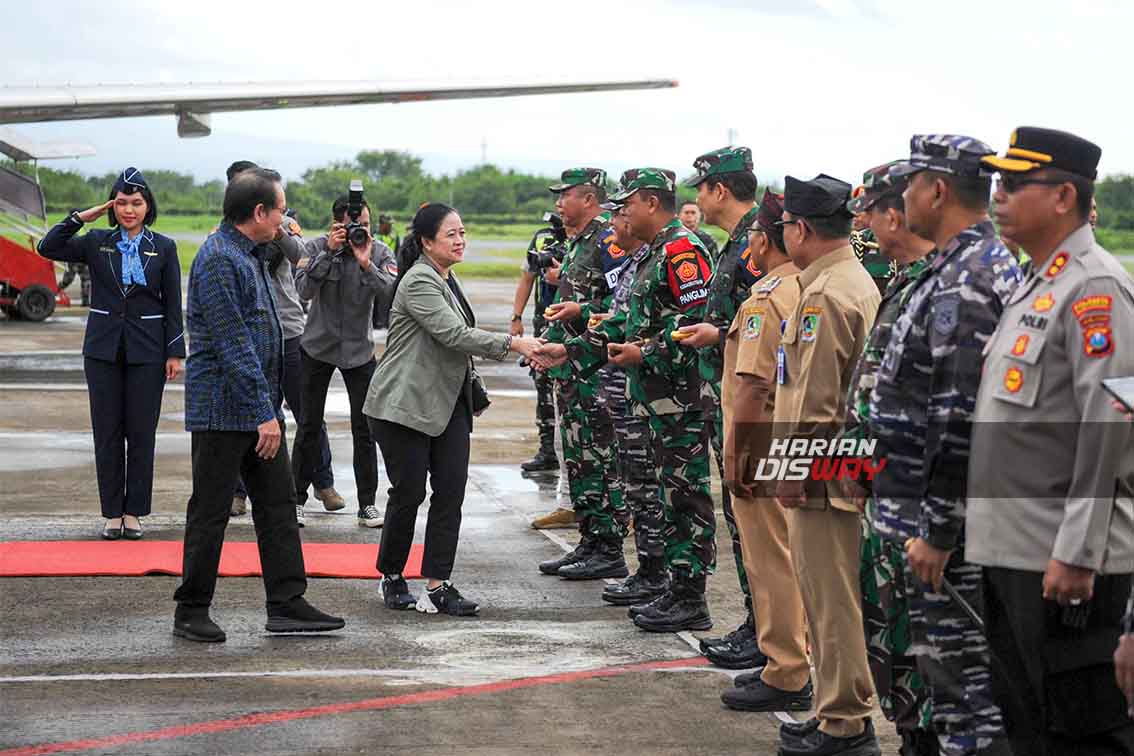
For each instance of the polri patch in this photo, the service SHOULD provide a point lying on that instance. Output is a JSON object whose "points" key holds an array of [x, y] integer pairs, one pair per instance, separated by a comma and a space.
{"points": [[1096, 304], [1098, 341], [809, 323], [1044, 302]]}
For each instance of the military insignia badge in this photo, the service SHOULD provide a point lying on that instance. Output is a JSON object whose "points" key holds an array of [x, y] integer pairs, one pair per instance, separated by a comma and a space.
{"points": [[1087, 306], [1014, 379], [809, 323], [1058, 264], [1021, 345], [946, 314], [687, 271], [753, 324], [1043, 303]]}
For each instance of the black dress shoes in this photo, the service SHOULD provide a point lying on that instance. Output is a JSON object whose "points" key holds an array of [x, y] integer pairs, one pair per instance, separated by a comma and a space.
{"points": [[759, 696], [298, 616], [818, 743]]}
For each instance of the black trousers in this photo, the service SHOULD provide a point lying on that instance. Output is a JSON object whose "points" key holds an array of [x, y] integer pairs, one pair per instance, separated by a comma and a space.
{"points": [[316, 378], [125, 407], [218, 458], [292, 387], [1056, 684], [410, 455]]}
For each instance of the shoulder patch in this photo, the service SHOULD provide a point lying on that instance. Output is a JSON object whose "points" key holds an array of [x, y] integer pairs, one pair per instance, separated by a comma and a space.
{"points": [[1057, 265], [809, 323], [679, 245], [688, 274], [946, 314], [752, 322]]}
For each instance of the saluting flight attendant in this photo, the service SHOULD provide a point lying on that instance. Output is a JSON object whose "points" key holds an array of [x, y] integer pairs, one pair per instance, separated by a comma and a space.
{"points": [[134, 342]]}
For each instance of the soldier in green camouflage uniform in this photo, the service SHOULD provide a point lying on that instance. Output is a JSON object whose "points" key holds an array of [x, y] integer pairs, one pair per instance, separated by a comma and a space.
{"points": [[726, 194], [669, 290], [901, 689], [586, 427]]}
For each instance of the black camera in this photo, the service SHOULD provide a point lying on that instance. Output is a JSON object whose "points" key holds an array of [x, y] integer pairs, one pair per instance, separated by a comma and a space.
{"points": [[548, 246], [358, 235]]}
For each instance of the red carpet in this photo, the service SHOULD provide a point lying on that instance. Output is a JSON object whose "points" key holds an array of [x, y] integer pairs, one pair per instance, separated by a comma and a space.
{"points": [[75, 558]]}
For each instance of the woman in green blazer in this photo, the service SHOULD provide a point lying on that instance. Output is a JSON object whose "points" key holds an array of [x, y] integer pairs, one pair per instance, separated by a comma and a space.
{"points": [[420, 407]]}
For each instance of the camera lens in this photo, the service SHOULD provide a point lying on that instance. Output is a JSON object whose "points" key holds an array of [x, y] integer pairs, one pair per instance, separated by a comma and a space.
{"points": [[357, 236]]}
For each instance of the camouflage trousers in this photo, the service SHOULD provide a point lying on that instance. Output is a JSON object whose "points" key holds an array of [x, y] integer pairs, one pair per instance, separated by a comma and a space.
{"points": [[588, 452], [729, 518], [902, 693], [681, 452], [953, 657], [636, 467]]}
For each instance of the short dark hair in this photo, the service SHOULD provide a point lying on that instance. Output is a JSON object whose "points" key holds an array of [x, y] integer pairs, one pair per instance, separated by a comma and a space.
{"points": [[338, 210], [666, 200], [775, 235], [740, 184], [973, 192], [892, 200], [247, 190], [239, 167], [690, 202], [834, 226], [1084, 189], [151, 204]]}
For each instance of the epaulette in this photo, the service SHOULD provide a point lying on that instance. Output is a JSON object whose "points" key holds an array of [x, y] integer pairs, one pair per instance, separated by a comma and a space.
{"points": [[767, 285]]}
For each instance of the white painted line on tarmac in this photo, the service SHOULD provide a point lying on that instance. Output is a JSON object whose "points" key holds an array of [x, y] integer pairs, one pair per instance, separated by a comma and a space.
{"points": [[114, 676]]}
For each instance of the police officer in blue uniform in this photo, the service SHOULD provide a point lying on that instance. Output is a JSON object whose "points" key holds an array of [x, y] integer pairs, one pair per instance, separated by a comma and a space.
{"points": [[134, 340]]}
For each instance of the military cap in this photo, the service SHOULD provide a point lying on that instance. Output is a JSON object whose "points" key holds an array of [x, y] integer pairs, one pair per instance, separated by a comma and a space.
{"points": [[578, 177], [821, 196], [718, 162], [947, 153], [644, 178], [1030, 148], [770, 211], [876, 183]]}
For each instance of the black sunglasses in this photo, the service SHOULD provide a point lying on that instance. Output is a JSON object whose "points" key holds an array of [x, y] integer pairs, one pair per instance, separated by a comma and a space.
{"points": [[1011, 184], [787, 222]]}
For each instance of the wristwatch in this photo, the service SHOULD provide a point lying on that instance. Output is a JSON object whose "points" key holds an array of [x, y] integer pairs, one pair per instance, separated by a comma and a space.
{"points": [[516, 318]]}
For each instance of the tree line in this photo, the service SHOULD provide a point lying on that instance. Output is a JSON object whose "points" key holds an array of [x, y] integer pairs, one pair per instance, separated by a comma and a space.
{"points": [[396, 183]]}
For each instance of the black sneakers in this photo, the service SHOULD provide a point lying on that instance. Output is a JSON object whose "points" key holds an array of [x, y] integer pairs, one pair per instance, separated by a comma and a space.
{"points": [[759, 696], [815, 742], [445, 599], [194, 624], [644, 585], [396, 594], [298, 616]]}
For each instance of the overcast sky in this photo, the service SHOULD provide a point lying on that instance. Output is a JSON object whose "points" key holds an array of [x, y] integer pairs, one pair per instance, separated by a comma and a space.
{"points": [[810, 85]]}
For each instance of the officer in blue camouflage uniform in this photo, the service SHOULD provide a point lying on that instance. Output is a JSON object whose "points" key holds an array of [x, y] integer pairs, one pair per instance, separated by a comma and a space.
{"points": [[920, 413], [663, 384], [726, 194], [585, 287], [903, 696], [636, 467]]}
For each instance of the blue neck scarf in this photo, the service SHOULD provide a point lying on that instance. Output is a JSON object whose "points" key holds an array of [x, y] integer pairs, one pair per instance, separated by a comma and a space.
{"points": [[132, 272]]}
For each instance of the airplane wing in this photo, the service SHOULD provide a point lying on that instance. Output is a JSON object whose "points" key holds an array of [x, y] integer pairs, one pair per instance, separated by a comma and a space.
{"points": [[192, 103]]}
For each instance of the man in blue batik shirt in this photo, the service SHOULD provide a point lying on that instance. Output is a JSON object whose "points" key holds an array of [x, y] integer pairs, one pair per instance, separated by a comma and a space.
{"points": [[232, 400]]}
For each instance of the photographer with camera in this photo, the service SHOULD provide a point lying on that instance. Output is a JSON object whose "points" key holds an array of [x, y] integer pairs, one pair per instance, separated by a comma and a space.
{"points": [[343, 274], [544, 257]]}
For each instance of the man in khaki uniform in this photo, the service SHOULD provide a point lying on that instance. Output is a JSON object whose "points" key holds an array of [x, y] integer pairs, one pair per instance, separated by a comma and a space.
{"points": [[1051, 474], [748, 390], [821, 343]]}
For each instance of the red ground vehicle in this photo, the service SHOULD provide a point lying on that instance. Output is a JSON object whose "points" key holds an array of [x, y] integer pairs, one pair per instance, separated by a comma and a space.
{"points": [[28, 286]]}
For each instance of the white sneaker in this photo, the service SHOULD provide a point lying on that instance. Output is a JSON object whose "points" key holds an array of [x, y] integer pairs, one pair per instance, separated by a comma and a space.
{"points": [[369, 517], [299, 514], [239, 506]]}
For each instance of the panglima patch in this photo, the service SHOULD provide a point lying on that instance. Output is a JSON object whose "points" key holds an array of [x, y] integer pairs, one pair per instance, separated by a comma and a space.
{"points": [[678, 245], [1098, 342], [687, 271], [753, 324], [1093, 303], [809, 323], [1058, 264], [1014, 379], [1044, 303], [1021, 345]]}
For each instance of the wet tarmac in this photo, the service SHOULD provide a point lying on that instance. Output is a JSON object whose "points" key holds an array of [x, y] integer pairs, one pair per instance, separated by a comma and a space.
{"points": [[88, 665]]}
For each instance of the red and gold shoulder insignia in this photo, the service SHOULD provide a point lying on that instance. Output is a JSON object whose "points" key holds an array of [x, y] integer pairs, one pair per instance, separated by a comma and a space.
{"points": [[1014, 379], [677, 246], [1057, 265], [1044, 303]]}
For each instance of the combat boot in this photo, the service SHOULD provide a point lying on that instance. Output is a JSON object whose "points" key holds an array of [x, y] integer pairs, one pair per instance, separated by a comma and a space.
{"points": [[738, 650], [650, 581], [551, 566], [605, 561], [545, 459], [659, 604], [687, 609]]}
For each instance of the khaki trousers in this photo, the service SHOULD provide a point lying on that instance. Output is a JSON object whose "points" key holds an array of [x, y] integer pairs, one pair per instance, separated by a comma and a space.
{"points": [[825, 551], [780, 632]]}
